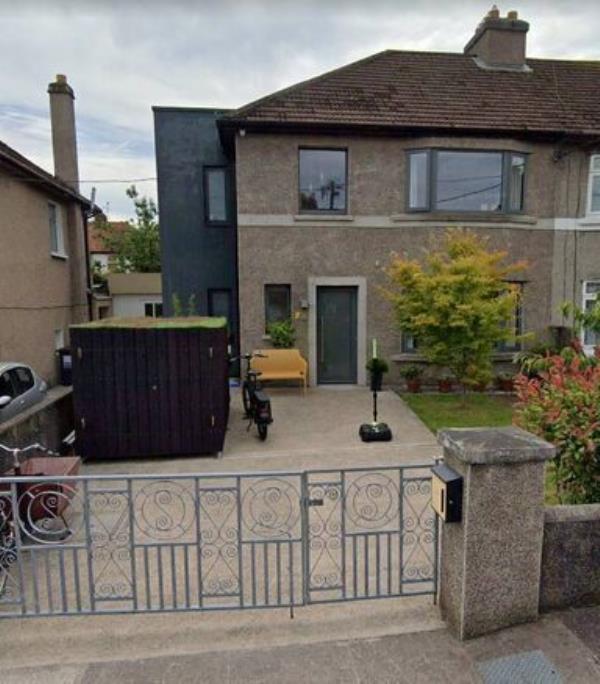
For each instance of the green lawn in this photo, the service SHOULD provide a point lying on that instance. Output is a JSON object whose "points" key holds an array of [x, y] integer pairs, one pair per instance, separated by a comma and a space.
{"points": [[481, 410], [447, 410]]}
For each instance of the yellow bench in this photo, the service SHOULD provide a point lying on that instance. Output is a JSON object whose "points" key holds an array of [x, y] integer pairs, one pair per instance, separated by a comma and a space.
{"points": [[281, 364]]}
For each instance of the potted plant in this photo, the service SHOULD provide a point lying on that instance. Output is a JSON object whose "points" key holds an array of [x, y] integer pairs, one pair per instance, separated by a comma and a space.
{"points": [[445, 384], [505, 382], [282, 334], [377, 368], [412, 374]]}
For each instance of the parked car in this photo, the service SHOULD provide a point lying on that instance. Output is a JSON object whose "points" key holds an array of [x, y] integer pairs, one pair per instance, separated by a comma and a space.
{"points": [[20, 388]]}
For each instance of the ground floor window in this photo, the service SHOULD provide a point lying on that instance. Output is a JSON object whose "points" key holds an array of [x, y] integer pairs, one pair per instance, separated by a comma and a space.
{"points": [[59, 338], [153, 309], [278, 304], [591, 288], [410, 343], [515, 324]]}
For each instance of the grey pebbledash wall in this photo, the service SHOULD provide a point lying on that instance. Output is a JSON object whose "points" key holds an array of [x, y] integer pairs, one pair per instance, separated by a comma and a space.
{"points": [[570, 557]]}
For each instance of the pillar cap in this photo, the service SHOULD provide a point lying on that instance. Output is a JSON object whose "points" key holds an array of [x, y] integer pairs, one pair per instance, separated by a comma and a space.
{"points": [[495, 446]]}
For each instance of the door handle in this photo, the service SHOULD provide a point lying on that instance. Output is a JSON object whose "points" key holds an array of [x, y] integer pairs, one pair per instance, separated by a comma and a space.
{"points": [[322, 340]]}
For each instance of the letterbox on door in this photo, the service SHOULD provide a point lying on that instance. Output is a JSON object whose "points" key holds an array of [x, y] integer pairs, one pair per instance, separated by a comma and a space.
{"points": [[446, 493]]}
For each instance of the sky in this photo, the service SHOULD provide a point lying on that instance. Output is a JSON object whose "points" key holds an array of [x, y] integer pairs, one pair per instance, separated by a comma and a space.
{"points": [[124, 56]]}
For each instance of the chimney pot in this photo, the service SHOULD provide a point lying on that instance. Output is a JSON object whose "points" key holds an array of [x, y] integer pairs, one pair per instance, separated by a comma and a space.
{"points": [[494, 13], [513, 15]]}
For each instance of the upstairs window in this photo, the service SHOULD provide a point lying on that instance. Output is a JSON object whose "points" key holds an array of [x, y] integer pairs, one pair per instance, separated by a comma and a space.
{"points": [[594, 185], [322, 180], [278, 304], [215, 195], [57, 240], [465, 181]]}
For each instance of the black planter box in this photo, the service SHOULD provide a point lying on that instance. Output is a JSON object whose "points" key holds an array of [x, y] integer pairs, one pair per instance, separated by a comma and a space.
{"points": [[150, 387]]}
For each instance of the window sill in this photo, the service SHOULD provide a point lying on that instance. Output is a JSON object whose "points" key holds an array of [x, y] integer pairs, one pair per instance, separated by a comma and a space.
{"points": [[419, 358], [312, 218], [471, 217], [591, 220], [59, 255]]}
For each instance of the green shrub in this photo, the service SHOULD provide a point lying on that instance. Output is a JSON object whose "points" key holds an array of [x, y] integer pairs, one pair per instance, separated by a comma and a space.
{"points": [[377, 365], [411, 372], [282, 334]]}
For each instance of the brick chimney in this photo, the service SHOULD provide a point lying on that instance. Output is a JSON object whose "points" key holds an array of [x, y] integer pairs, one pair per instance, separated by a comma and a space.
{"points": [[499, 42], [64, 138]]}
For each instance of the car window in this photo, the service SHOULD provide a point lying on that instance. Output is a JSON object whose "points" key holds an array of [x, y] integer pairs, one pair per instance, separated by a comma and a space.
{"points": [[6, 386], [22, 379]]}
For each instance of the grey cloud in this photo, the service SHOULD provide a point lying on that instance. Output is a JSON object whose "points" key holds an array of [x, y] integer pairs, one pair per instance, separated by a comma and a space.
{"points": [[124, 57]]}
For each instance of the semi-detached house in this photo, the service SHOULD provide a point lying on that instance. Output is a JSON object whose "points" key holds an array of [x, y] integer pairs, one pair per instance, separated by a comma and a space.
{"points": [[290, 206]]}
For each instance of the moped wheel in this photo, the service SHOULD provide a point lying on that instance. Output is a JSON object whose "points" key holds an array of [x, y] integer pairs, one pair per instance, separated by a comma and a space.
{"points": [[246, 399], [263, 428]]}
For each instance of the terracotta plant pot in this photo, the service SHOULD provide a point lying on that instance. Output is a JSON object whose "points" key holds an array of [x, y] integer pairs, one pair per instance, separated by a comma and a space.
{"points": [[506, 384], [445, 385], [414, 385]]}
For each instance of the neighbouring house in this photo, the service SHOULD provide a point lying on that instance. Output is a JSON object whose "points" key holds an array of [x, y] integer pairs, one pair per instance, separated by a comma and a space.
{"points": [[135, 294], [100, 254], [44, 273], [296, 201]]}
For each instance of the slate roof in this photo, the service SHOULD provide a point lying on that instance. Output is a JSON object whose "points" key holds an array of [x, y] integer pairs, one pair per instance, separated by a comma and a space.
{"points": [[431, 90], [27, 170]]}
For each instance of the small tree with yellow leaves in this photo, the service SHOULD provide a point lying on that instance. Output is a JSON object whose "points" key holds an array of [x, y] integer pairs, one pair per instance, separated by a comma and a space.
{"points": [[458, 304]]}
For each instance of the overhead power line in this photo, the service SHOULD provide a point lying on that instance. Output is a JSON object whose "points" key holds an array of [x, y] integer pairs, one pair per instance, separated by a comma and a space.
{"points": [[79, 180]]}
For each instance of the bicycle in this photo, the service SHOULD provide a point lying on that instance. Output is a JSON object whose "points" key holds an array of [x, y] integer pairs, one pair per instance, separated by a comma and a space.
{"points": [[8, 540], [256, 402]]}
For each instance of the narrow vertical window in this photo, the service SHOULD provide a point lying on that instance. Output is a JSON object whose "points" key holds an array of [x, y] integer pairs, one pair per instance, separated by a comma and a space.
{"points": [[591, 290], [215, 195], [594, 185], [57, 244], [418, 194], [278, 304], [516, 182]]}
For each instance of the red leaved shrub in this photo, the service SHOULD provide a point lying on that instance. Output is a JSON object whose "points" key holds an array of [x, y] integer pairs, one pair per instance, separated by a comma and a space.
{"points": [[561, 403]]}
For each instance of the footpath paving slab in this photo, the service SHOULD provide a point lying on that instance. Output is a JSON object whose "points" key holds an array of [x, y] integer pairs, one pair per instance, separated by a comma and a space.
{"points": [[426, 657]]}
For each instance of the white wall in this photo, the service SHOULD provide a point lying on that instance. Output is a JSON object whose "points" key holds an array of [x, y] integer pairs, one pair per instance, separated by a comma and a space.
{"points": [[126, 305]]}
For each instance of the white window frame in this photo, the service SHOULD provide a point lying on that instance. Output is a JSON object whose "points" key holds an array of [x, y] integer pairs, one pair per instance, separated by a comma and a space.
{"points": [[57, 228], [593, 173], [587, 297]]}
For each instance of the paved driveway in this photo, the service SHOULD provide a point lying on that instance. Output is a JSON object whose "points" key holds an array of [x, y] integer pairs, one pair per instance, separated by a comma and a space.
{"points": [[316, 430]]}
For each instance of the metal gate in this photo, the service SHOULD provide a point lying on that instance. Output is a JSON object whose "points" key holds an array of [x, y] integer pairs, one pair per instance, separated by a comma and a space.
{"points": [[153, 543]]}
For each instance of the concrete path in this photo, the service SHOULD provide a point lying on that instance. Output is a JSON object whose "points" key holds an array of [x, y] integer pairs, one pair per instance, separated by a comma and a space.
{"points": [[316, 430], [550, 651]]}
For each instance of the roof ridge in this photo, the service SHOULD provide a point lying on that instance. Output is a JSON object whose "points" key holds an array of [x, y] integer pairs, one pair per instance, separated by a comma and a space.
{"points": [[11, 155], [283, 91]]}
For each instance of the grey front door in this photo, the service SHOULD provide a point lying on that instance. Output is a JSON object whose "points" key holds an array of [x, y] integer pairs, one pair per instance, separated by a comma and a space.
{"points": [[336, 335]]}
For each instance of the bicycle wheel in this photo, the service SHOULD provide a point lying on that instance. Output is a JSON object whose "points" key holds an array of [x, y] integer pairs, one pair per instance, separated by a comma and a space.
{"points": [[263, 428], [246, 398]]}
